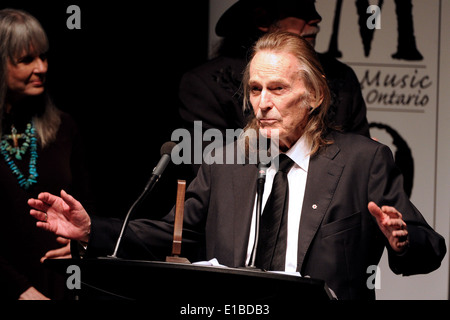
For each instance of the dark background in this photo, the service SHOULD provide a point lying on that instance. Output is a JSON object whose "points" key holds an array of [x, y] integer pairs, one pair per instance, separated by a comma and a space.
{"points": [[118, 76]]}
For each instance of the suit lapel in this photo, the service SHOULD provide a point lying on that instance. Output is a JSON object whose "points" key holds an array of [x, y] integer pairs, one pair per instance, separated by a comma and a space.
{"points": [[244, 192], [323, 177]]}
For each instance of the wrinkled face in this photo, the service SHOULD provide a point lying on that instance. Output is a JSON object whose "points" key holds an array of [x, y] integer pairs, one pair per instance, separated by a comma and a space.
{"points": [[277, 94], [26, 76]]}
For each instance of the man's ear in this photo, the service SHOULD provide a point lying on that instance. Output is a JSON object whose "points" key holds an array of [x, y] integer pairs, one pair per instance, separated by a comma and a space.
{"points": [[264, 29], [315, 103]]}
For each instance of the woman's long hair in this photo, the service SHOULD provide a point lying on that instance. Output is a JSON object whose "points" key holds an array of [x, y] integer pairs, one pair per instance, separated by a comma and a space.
{"points": [[21, 33]]}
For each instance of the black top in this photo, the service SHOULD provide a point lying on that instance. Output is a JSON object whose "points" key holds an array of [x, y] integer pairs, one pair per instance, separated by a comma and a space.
{"points": [[59, 166]]}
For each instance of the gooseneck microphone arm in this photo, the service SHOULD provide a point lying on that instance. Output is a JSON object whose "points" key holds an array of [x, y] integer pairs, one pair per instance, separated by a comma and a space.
{"points": [[166, 150], [262, 171]]}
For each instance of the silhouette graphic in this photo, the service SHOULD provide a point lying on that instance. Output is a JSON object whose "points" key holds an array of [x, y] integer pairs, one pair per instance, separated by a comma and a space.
{"points": [[333, 49], [406, 41], [366, 33], [406, 48], [403, 156]]}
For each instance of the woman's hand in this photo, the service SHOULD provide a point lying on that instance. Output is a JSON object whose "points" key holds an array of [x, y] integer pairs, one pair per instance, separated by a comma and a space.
{"points": [[60, 253], [32, 294]]}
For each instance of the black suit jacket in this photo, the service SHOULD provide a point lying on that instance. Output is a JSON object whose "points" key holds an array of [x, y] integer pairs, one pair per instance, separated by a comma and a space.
{"points": [[338, 237]]}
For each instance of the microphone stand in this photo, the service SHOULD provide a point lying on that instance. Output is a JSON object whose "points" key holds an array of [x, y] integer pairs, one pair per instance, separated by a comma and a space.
{"points": [[262, 169], [166, 150], [147, 190]]}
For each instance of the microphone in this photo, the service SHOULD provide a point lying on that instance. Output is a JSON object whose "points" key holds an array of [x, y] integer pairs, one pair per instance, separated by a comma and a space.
{"points": [[262, 171], [165, 152]]}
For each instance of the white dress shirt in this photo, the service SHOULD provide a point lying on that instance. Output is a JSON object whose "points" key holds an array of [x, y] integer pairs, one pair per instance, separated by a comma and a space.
{"points": [[299, 153]]}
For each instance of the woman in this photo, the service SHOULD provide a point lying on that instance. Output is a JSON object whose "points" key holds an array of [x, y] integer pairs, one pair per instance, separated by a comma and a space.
{"points": [[40, 149]]}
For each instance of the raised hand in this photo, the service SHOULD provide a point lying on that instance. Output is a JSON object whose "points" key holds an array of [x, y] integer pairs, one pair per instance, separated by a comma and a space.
{"points": [[392, 225], [64, 216]]}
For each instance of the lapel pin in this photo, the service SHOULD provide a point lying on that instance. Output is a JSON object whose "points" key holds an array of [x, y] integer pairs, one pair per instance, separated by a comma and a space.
{"points": [[314, 206]]}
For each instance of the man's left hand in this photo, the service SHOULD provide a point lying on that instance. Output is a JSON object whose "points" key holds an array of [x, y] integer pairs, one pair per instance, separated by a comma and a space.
{"points": [[392, 225]]}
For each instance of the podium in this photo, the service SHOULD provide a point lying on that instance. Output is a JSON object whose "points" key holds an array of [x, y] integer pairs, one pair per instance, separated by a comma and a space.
{"points": [[182, 284]]}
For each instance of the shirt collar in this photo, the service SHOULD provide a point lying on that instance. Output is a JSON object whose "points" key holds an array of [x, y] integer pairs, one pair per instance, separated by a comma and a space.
{"points": [[299, 153]]}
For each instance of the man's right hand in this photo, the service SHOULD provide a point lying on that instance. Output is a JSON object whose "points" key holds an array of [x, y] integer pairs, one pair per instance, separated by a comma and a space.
{"points": [[64, 216]]}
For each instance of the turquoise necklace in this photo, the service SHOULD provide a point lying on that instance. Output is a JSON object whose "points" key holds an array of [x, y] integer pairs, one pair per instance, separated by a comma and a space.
{"points": [[9, 150]]}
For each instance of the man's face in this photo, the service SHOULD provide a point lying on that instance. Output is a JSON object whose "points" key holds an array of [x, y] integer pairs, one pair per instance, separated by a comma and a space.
{"points": [[306, 29], [277, 94]]}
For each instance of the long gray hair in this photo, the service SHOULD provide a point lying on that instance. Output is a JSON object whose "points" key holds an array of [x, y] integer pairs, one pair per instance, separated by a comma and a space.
{"points": [[21, 33]]}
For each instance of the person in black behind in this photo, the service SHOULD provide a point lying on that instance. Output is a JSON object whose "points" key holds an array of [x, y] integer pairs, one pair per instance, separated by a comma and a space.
{"points": [[211, 92], [40, 150]]}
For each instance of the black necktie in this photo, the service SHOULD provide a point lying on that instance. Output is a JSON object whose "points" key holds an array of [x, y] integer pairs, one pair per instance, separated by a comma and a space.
{"points": [[271, 252]]}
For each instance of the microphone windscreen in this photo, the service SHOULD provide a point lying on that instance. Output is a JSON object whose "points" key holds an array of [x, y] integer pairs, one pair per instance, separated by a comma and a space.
{"points": [[167, 148]]}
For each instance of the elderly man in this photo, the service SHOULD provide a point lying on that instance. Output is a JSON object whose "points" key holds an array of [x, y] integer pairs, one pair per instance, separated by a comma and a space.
{"points": [[336, 200], [211, 92]]}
